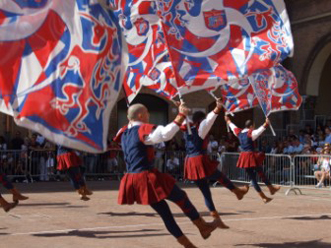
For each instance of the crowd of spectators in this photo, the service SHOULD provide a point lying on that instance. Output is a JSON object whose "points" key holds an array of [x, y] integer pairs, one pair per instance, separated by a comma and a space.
{"points": [[169, 157], [33, 158]]}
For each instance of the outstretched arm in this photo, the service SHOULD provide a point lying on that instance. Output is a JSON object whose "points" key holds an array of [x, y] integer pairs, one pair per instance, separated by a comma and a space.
{"points": [[232, 126], [257, 132], [166, 133], [207, 123]]}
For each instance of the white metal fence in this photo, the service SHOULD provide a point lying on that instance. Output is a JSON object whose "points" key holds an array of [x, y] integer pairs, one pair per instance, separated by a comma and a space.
{"points": [[295, 172]]}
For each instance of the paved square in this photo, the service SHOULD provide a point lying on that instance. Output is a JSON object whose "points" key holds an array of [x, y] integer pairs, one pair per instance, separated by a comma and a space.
{"points": [[55, 217]]}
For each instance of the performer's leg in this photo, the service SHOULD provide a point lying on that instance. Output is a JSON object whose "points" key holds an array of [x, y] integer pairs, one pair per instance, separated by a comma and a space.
{"points": [[222, 179], [179, 197], [76, 181], [205, 189], [17, 196], [273, 189], [6, 205], [83, 181], [252, 175], [163, 210], [72, 173], [5, 181]]}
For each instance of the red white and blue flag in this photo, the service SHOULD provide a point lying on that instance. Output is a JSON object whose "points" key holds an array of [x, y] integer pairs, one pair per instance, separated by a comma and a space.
{"points": [[200, 43], [274, 89], [61, 61], [60, 69]]}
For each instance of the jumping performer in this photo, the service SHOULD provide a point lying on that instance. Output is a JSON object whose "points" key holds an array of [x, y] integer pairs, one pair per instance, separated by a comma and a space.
{"points": [[250, 160], [68, 160], [198, 166], [144, 184]]}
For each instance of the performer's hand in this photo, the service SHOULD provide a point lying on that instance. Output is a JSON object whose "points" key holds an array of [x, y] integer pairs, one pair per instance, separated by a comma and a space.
{"points": [[267, 122], [217, 110], [227, 118], [183, 109], [219, 103]]}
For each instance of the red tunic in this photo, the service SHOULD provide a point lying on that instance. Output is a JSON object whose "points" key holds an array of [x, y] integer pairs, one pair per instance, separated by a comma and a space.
{"points": [[250, 159], [67, 160], [145, 188], [198, 165]]}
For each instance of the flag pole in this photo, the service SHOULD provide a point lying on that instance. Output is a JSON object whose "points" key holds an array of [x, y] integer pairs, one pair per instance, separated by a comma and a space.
{"points": [[174, 71], [271, 128], [215, 97]]}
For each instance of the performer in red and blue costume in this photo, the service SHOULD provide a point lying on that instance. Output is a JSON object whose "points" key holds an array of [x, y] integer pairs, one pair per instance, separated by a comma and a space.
{"points": [[249, 159], [198, 166], [67, 159], [144, 184]]}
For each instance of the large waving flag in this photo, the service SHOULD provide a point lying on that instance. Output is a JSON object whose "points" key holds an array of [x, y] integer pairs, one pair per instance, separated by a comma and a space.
{"points": [[148, 62], [60, 68], [213, 39], [274, 89], [200, 43]]}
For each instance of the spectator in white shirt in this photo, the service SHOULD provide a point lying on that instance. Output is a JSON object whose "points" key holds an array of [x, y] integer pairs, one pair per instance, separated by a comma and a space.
{"points": [[159, 152], [173, 164], [212, 145]]}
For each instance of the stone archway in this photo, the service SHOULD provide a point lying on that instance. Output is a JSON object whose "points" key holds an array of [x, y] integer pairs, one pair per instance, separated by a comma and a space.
{"points": [[317, 77], [323, 102], [317, 67]]}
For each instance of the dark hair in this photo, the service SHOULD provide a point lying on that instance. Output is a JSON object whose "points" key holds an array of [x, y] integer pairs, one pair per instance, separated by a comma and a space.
{"points": [[248, 123], [198, 116]]}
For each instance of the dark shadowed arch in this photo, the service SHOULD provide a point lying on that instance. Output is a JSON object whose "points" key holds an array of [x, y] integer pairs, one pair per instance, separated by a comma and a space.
{"points": [[158, 109]]}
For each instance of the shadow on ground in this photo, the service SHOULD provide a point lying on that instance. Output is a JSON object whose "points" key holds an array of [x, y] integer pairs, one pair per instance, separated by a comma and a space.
{"points": [[322, 217], [53, 186], [178, 215], [106, 234], [303, 244]]}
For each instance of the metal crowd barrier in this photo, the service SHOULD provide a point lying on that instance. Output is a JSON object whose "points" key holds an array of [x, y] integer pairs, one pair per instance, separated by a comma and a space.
{"points": [[296, 172], [174, 164], [14, 163], [277, 167], [108, 164], [306, 170]]}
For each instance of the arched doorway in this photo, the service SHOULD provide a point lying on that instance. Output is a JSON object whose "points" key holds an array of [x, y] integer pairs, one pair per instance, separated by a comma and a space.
{"points": [[323, 102], [320, 58], [158, 109], [317, 79]]}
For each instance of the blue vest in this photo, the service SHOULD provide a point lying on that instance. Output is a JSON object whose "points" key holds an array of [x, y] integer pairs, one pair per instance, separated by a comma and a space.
{"points": [[194, 145], [135, 151], [246, 143]]}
